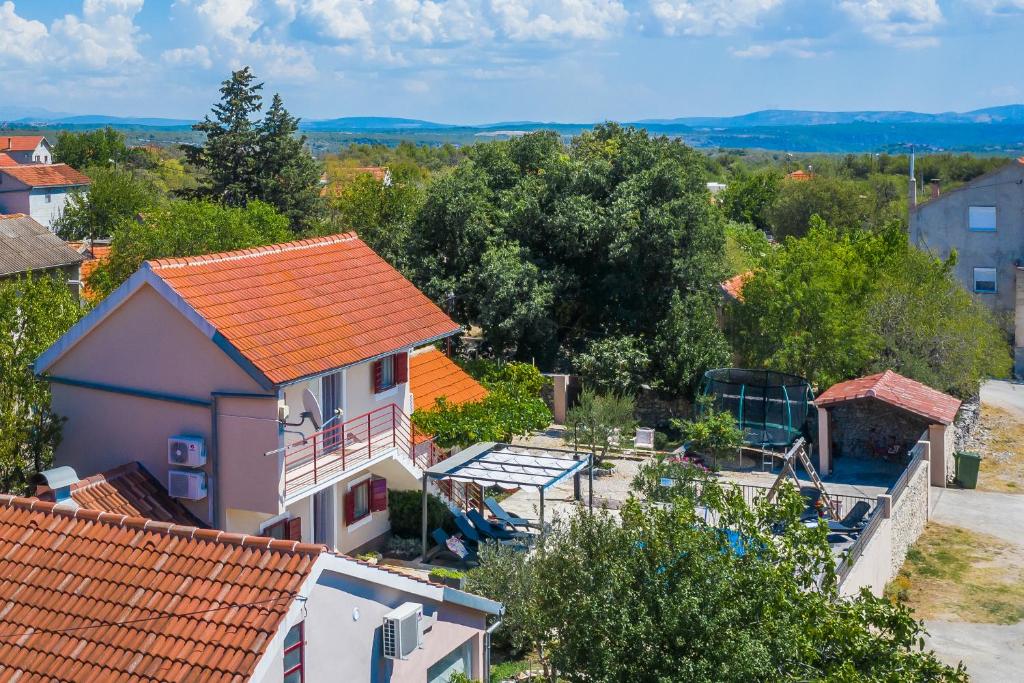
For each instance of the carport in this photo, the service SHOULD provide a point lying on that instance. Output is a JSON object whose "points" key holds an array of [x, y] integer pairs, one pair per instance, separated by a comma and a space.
{"points": [[508, 466]]}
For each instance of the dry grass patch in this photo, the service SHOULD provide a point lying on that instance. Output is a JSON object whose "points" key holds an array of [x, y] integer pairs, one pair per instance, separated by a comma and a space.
{"points": [[954, 574], [1000, 441]]}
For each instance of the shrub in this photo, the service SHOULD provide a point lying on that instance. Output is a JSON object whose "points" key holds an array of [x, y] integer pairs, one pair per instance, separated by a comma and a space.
{"points": [[405, 508], [404, 548], [441, 573]]}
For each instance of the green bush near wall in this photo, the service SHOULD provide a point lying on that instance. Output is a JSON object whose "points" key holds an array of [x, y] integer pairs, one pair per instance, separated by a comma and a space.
{"points": [[406, 509]]}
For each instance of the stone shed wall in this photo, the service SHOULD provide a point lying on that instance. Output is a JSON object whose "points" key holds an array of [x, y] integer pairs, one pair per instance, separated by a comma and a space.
{"points": [[859, 425], [909, 515]]}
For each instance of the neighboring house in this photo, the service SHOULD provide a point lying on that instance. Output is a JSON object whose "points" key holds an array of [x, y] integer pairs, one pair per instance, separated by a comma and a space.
{"points": [[39, 190], [983, 221], [26, 149], [94, 252], [800, 175], [732, 289], [98, 596], [433, 375], [238, 350], [28, 247], [7, 160], [344, 175]]}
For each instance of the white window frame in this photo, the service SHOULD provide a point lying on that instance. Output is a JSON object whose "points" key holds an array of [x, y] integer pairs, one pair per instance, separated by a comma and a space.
{"points": [[994, 280], [983, 227], [362, 521]]}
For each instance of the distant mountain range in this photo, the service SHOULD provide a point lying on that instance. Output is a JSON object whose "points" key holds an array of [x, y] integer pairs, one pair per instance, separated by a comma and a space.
{"points": [[996, 130]]}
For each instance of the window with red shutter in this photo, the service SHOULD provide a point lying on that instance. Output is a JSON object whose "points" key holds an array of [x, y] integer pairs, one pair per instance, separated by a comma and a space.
{"points": [[295, 529], [378, 494], [377, 388], [357, 502], [401, 368]]}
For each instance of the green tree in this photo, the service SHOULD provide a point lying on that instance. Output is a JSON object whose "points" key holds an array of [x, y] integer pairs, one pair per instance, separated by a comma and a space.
{"points": [[831, 306], [614, 364], [843, 204], [750, 197], [104, 147], [186, 228], [34, 313], [246, 159], [113, 196], [598, 420], [657, 593], [686, 343], [712, 432]]}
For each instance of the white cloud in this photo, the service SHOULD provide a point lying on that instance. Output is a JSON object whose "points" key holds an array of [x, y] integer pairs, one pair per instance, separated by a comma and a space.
{"points": [[552, 19], [906, 23], [230, 19], [21, 37], [339, 19], [709, 17], [999, 7], [429, 22], [803, 48], [188, 56]]}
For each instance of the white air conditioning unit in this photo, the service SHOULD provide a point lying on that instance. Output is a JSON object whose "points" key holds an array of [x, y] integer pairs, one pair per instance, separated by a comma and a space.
{"points": [[403, 630], [186, 484], [186, 451]]}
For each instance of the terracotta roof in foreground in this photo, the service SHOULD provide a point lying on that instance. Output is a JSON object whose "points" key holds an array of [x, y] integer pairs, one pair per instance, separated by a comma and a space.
{"points": [[46, 175], [307, 307], [433, 375], [7, 160], [128, 490], [897, 390], [93, 596]]}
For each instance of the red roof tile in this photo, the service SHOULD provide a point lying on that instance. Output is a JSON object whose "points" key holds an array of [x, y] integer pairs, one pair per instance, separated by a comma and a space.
{"points": [[95, 255], [307, 307], [799, 174], [733, 287], [91, 596], [128, 490], [6, 160], [897, 390], [19, 143], [46, 175], [433, 375]]}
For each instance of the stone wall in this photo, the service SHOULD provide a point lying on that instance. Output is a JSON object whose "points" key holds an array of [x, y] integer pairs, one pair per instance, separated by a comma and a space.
{"points": [[859, 425], [966, 423], [909, 515]]}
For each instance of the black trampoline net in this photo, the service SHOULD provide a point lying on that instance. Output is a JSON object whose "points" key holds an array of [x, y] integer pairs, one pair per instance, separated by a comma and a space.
{"points": [[772, 408]]}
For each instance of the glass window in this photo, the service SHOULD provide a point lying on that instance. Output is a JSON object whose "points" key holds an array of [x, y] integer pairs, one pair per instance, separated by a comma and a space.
{"points": [[387, 372], [294, 658], [981, 218], [361, 496], [458, 660], [984, 279]]}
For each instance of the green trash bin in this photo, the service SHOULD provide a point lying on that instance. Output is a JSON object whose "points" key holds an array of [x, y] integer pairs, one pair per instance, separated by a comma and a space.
{"points": [[967, 464]]}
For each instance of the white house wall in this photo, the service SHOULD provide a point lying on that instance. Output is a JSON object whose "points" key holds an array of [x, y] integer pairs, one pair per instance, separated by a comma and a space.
{"points": [[47, 212]]}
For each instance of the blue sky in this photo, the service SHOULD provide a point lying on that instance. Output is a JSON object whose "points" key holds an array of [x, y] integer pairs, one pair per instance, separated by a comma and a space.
{"points": [[474, 61]]}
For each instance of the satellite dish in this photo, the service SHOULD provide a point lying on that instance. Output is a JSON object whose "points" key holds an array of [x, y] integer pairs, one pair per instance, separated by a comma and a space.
{"points": [[311, 406]]}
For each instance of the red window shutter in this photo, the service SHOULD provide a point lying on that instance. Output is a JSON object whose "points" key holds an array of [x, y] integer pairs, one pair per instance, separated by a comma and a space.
{"points": [[378, 494], [376, 377], [350, 507], [401, 368], [295, 529]]}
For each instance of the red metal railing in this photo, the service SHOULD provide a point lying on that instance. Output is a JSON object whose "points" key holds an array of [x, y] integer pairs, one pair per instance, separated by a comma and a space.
{"points": [[343, 446]]}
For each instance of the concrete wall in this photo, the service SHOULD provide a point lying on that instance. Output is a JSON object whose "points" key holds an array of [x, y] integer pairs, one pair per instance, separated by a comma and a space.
{"points": [[16, 200], [342, 644], [46, 204], [872, 569], [941, 226], [943, 464]]}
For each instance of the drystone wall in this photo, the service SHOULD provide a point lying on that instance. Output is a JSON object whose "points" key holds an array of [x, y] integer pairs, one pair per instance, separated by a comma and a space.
{"points": [[909, 515]]}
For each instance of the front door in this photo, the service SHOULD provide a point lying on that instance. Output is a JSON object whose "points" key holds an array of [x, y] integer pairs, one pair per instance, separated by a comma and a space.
{"points": [[332, 391]]}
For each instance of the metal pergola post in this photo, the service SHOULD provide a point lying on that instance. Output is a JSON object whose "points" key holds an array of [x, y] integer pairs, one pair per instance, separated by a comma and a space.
{"points": [[541, 488], [423, 556]]}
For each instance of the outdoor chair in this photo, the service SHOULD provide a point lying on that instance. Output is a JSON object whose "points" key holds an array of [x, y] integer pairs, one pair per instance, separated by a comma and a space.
{"points": [[852, 522], [494, 531], [644, 438], [502, 515], [469, 532], [466, 555]]}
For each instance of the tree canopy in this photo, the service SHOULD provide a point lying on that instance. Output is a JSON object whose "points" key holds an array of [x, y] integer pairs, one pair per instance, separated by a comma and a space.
{"points": [[658, 593], [113, 196], [245, 159], [548, 248], [834, 305], [102, 147]]}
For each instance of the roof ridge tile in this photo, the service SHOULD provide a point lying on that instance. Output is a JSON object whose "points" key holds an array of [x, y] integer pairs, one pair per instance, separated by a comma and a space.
{"points": [[238, 254]]}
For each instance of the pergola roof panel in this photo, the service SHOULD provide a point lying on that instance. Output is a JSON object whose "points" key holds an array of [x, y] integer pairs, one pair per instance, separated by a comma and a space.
{"points": [[509, 465]]}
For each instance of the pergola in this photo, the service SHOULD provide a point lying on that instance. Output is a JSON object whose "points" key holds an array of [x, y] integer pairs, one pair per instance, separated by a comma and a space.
{"points": [[508, 466]]}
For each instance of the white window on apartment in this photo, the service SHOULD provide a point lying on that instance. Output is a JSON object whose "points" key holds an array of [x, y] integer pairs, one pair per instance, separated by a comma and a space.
{"points": [[981, 218], [49, 197], [985, 280]]}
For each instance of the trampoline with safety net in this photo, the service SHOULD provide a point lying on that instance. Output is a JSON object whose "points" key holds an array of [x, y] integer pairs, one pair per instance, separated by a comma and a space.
{"points": [[771, 408]]}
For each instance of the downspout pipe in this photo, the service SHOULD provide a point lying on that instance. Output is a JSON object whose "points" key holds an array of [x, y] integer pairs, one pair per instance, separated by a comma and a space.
{"points": [[214, 457]]}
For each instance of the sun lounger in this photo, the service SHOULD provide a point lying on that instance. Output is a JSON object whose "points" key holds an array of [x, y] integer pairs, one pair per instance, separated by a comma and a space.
{"points": [[495, 531], [500, 513], [453, 546]]}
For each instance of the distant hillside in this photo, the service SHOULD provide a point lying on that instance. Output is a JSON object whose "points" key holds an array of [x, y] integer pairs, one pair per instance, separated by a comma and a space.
{"points": [[369, 123], [1013, 113]]}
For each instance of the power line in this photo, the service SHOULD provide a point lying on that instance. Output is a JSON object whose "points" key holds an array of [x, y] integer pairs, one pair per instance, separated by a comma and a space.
{"points": [[126, 622]]}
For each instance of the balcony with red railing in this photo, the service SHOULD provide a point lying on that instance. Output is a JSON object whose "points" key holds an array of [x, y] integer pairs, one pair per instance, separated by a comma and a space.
{"points": [[328, 454]]}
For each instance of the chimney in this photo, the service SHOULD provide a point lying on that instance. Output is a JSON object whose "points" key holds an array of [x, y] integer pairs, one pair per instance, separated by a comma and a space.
{"points": [[912, 197], [935, 188]]}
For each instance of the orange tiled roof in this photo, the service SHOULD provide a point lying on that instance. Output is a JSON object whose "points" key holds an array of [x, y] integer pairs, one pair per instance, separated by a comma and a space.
{"points": [[307, 307], [6, 160], [19, 143], [128, 490], [799, 174], [46, 175], [733, 287], [897, 390], [346, 174], [95, 596], [433, 375], [96, 254]]}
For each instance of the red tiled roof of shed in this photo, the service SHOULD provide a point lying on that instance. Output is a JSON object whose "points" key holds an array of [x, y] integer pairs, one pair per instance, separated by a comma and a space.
{"points": [[433, 375], [733, 287], [897, 390], [95, 596], [304, 308]]}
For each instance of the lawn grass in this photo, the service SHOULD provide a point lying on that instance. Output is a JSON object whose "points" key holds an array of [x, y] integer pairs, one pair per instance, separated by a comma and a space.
{"points": [[1002, 450], [958, 575]]}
